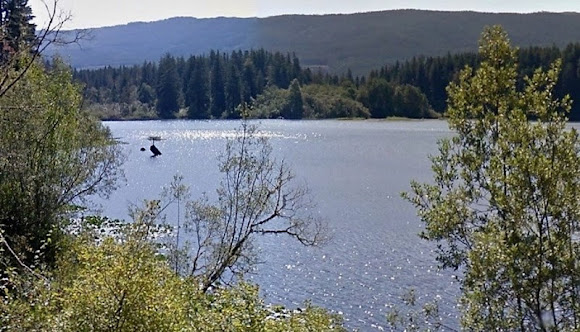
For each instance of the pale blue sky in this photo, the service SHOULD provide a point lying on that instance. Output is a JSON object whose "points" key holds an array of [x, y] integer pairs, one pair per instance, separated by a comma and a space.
{"points": [[97, 13]]}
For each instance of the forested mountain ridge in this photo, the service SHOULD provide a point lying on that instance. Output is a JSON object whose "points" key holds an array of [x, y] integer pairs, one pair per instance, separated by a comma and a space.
{"points": [[361, 42]]}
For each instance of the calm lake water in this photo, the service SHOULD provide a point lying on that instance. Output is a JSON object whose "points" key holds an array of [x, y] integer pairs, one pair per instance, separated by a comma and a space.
{"points": [[356, 171]]}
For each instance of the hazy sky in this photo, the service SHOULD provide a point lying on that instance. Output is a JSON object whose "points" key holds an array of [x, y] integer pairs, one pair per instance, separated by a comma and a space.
{"points": [[97, 13]]}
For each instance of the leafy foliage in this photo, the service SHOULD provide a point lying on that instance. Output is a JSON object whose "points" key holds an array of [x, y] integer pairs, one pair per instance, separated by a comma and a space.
{"points": [[319, 101], [386, 99], [426, 318], [122, 284], [329, 101], [270, 104], [52, 157], [504, 206]]}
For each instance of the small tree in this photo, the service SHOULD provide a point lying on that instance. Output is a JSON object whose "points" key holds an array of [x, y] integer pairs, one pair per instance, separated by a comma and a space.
{"points": [[256, 197], [295, 106], [505, 202]]}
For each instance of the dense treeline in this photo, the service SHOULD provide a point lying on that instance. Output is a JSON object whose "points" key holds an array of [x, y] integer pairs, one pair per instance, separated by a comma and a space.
{"points": [[433, 74], [202, 86], [212, 87]]}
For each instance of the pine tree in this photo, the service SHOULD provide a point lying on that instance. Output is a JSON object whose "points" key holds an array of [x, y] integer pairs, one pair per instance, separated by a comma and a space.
{"points": [[233, 92], [17, 31], [217, 93], [197, 95], [249, 81], [168, 88], [295, 107]]}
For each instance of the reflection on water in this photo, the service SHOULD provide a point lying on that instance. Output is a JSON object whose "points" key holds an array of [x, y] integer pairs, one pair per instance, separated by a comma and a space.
{"points": [[193, 135], [356, 171]]}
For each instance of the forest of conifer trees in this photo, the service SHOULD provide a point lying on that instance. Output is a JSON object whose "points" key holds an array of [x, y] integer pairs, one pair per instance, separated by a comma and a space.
{"points": [[433, 74], [203, 86], [214, 86]]}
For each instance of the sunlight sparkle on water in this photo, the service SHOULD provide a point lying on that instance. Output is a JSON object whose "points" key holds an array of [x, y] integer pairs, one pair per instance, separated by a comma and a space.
{"points": [[203, 135]]}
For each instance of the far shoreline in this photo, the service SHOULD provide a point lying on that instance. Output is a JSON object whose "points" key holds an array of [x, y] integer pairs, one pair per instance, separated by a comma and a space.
{"points": [[388, 119]]}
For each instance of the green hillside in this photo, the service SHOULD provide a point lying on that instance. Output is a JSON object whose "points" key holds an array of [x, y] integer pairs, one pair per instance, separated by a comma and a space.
{"points": [[361, 42]]}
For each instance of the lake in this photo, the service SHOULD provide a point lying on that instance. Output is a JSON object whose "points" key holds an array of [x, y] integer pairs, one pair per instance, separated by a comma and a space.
{"points": [[356, 171]]}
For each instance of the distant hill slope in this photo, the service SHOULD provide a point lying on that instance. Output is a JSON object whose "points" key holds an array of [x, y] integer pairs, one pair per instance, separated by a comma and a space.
{"points": [[360, 42]]}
